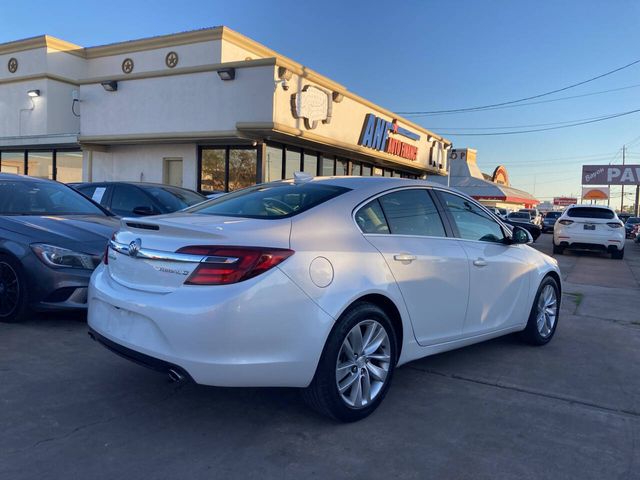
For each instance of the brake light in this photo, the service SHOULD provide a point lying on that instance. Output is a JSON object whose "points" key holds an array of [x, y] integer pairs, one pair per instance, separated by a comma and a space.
{"points": [[226, 265], [614, 224], [565, 222]]}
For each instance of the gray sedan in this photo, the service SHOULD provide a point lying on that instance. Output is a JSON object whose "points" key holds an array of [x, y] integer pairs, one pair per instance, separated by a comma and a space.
{"points": [[51, 239]]}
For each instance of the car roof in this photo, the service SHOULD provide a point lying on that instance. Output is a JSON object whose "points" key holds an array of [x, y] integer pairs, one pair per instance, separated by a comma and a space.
{"points": [[354, 182], [588, 205], [135, 184], [22, 178]]}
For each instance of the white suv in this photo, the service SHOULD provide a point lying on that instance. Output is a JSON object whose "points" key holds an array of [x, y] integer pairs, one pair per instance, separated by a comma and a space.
{"points": [[589, 227]]}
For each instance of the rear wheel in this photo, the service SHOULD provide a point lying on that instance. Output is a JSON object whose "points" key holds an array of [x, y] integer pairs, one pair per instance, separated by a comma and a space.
{"points": [[543, 318], [558, 249], [13, 297], [617, 254], [356, 367]]}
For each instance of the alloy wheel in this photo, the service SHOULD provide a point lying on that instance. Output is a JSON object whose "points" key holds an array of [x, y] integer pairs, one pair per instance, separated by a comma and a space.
{"points": [[363, 364], [9, 290], [547, 311]]}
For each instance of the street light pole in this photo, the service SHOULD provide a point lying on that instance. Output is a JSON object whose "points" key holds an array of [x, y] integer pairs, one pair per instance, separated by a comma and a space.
{"points": [[624, 150]]}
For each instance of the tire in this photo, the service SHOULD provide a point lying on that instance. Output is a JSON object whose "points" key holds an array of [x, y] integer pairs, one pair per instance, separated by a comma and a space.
{"points": [[323, 394], [617, 254], [541, 333], [13, 296], [557, 249]]}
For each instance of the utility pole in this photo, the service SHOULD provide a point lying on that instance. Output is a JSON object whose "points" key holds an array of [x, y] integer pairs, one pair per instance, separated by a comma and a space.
{"points": [[624, 151]]}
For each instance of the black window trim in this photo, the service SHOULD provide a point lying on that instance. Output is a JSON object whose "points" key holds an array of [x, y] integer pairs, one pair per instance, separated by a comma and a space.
{"points": [[505, 230], [449, 232]]}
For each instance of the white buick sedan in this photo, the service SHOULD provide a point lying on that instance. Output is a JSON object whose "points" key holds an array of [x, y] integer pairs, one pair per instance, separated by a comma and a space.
{"points": [[327, 284]]}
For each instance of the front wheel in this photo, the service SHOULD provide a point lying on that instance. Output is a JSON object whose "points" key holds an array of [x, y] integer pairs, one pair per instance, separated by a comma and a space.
{"points": [[356, 366], [13, 297], [543, 319]]}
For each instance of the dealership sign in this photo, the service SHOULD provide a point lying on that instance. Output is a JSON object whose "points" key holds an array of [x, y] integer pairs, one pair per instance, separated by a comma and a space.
{"points": [[564, 201], [382, 135], [611, 174]]}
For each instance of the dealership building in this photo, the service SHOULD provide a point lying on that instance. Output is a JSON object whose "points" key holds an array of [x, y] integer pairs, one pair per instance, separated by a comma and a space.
{"points": [[210, 110]]}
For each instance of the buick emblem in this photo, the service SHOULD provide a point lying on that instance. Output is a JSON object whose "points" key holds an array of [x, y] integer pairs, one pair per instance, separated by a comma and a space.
{"points": [[134, 247]]}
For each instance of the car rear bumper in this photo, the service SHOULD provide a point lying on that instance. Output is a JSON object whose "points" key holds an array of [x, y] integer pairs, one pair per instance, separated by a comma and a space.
{"points": [[261, 332], [606, 241]]}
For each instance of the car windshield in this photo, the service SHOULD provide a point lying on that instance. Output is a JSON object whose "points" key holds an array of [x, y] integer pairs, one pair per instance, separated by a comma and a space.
{"points": [[173, 198], [590, 212], [24, 197], [270, 200]]}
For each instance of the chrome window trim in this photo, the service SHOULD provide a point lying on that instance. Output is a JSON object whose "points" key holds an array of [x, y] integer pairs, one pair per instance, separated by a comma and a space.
{"points": [[150, 254]]}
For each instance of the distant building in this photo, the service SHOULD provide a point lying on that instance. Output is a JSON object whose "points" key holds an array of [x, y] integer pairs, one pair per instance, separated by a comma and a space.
{"points": [[492, 190]]}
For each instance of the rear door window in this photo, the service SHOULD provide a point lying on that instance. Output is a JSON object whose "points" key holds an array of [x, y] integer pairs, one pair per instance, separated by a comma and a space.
{"points": [[412, 212], [370, 218]]}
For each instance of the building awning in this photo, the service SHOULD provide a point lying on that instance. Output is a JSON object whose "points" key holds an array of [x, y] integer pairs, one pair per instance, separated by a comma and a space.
{"points": [[481, 189]]}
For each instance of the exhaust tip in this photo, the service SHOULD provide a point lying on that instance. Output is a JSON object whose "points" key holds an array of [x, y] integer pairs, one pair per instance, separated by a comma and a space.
{"points": [[175, 376]]}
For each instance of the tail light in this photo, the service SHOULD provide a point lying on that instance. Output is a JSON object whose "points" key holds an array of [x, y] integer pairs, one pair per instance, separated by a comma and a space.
{"points": [[565, 222], [226, 265], [614, 224]]}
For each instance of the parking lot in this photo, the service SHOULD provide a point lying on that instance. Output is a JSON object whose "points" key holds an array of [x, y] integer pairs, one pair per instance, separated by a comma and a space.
{"points": [[71, 409]]}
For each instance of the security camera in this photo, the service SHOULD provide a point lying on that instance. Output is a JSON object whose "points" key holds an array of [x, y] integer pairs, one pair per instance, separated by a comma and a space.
{"points": [[285, 84]]}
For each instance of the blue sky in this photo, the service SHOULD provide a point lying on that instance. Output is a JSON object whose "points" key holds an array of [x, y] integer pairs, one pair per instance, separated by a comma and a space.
{"points": [[423, 56]]}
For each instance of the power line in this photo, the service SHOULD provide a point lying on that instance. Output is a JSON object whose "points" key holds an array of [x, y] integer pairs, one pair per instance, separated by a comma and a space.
{"points": [[522, 126], [599, 119], [424, 114], [551, 92]]}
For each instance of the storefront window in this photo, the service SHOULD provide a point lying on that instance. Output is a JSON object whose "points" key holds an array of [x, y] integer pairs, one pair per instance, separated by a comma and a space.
{"points": [[342, 167], [273, 164], [12, 162], [377, 172], [243, 165], [69, 166], [356, 169], [366, 170], [327, 166], [212, 170], [293, 163], [40, 164], [310, 165]]}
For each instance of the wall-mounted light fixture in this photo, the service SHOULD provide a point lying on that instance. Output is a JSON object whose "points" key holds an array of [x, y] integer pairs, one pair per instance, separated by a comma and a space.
{"points": [[33, 93], [110, 85], [337, 97], [227, 73], [284, 74]]}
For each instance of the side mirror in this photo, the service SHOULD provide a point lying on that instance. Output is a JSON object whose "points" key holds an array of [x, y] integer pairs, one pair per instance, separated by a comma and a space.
{"points": [[521, 235], [143, 211]]}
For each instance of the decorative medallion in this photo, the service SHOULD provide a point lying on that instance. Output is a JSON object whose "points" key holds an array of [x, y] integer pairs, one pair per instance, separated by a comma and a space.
{"points": [[127, 65], [171, 60], [312, 104], [12, 65]]}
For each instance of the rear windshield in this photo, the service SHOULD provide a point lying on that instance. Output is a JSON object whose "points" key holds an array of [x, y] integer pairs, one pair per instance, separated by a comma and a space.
{"points": [[589, 212], [519, 215], [632, 220], [24, 197], [172, 198], [553, 215], [270, 200]]}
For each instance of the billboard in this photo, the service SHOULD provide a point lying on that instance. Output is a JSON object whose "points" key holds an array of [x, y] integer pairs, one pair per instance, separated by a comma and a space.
{"points": [[595, 193], [611, 175], [564, 201]]}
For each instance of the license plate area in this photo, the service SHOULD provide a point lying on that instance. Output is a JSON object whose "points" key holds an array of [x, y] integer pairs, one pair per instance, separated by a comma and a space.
{"points": [[589, 226]]}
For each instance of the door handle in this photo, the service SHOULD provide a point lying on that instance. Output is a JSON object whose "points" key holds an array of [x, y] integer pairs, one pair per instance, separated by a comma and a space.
{"points": [[480, 262], [404, 257]]}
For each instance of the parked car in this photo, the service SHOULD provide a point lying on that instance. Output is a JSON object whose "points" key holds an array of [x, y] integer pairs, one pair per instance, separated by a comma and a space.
{"points": [[536, 218], [500, 212], [623, 216], [138, 199], [636, 233], [549, 221], [589, 227], [51, 239], [630, 224], [534, 230], [327, 284], [519, 216]]}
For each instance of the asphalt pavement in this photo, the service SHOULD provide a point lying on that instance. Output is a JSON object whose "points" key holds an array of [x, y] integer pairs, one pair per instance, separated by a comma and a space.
{"points": [[571, 409]]}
